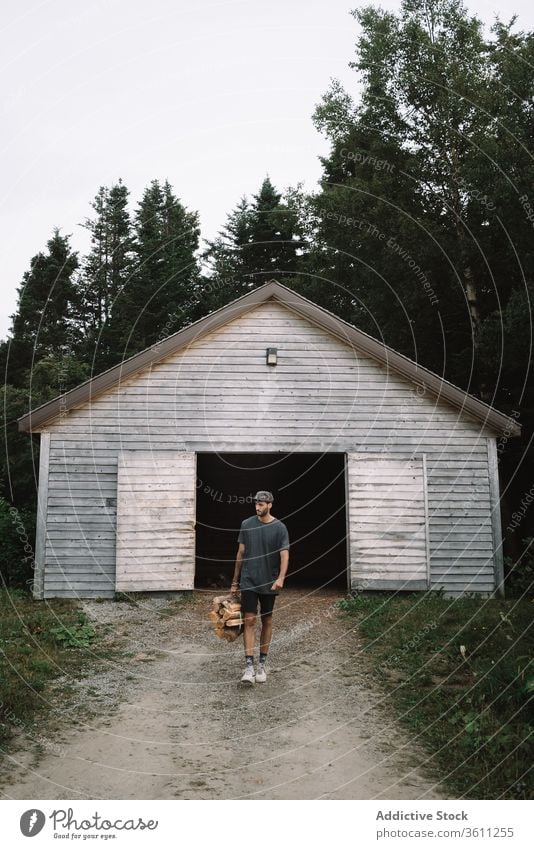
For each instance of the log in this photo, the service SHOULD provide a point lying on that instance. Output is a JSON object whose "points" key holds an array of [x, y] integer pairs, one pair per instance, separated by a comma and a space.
{"points": [[226, 618], [231, 605], [230, 614]]}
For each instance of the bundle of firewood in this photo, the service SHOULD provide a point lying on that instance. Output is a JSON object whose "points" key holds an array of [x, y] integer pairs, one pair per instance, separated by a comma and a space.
{"points": [[226, 617]]}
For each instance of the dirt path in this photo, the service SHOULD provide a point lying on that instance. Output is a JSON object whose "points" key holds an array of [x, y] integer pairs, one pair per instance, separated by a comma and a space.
{"points": [[158, 725]]}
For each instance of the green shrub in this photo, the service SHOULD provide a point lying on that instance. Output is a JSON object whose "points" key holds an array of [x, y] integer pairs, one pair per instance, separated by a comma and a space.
{"points": [[75, 636], [520, 575], [17, 532], [38, 642], [461, 674]]}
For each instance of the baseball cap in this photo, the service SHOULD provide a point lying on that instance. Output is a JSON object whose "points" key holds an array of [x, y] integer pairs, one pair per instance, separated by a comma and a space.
{"points": [[263, 495]]}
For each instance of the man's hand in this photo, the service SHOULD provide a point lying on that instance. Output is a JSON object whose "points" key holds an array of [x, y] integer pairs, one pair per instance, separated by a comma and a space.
{"points": [[234, 587], [278, 584]]}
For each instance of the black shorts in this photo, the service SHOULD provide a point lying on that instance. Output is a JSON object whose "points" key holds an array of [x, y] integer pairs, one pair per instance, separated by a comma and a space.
{"points": [[250, 599]]}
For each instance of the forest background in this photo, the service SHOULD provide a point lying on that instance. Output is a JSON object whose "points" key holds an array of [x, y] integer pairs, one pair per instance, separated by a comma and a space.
{"points": [[420, 232]]}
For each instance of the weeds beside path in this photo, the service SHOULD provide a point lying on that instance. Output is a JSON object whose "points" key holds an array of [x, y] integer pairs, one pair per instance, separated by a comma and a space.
{"points": [[460, 673], [39, 642]]}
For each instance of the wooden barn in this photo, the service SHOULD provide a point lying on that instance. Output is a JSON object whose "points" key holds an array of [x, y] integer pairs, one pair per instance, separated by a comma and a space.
{"points": [[385, 474]]}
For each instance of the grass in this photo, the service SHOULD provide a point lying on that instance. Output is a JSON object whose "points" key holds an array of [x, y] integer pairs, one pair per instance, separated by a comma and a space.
{"points": [[42, 640], [39, 641], [460, 673]]}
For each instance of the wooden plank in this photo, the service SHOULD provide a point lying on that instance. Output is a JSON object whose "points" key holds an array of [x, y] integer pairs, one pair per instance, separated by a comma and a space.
{"points": [[407, 585], [247, 440], [456, 564], [465, 523], [388, 410], [375, 511], [84, 535], [140, 554], [385, 536], [57, 574], [58, 548], [171, 580], [68, 476], [65, 485], [485, 540], [485, 574], [79, 591], [74, 501], [453, 541]]}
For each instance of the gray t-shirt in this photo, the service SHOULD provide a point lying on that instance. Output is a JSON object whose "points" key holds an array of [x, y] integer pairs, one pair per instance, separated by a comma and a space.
{"points": [[263, 542]]}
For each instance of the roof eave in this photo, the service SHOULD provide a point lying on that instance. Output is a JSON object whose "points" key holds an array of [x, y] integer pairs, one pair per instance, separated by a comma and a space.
{"points": [[443, 390], [95, 386]]}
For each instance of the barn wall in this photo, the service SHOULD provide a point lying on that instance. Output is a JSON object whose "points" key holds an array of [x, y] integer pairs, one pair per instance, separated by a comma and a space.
{"points": [[218, 395]]}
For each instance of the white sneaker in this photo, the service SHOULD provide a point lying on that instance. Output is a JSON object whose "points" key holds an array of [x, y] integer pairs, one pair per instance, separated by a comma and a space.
{"points": [[248, 675], [261, 675]]}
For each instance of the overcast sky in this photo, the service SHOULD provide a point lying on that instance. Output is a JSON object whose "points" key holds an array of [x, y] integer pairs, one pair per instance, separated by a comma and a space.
{"points": [[210, 95]]}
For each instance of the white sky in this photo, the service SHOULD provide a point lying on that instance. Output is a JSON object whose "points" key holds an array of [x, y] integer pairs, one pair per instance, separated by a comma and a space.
{"points": [[210, 95]]}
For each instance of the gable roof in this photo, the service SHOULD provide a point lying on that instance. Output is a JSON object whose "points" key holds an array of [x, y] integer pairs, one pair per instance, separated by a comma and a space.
{"points": [[443, 390]]}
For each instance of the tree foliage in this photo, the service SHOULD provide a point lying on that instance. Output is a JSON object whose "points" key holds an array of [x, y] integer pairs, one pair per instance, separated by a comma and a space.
{"points": [[262, 239], [43, 323], [106, 272], [417, 219]]}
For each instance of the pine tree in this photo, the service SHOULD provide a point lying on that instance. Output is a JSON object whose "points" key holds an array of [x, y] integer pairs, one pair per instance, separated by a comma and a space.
{"points": [[430, 168], [418, 158], [106, 273], [40, 360], [261, 239], [274, 241], [44, 324], [227, 276], [161, 294]]}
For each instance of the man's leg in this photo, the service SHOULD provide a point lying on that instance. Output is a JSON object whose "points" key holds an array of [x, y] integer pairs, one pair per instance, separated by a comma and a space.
{"points": [[266, 632], [249, 607], [249, 633], [266, 610]]}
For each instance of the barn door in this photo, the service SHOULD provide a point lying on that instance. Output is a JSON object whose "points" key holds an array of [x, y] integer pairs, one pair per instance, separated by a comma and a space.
{"points": [[156, 520], [388, 527]]}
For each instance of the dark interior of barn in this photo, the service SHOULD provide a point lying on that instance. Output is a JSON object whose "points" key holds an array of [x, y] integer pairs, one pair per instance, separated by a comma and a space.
{"points": [[309, 497]]}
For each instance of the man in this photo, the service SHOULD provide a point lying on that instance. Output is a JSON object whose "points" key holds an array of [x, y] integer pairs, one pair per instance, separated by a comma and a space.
{"points": [[260, 569]]}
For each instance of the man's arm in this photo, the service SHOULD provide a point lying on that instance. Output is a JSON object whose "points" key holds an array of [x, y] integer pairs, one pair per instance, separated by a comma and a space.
{"points": [[238, 565], [284, 563]]}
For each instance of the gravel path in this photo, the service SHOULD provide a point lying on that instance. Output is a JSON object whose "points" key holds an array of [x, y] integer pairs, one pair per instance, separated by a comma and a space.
{"points": [[172, 720]]}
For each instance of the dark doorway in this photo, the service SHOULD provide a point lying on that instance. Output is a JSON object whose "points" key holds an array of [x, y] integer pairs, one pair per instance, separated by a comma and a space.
{"points": [[309, 497]]}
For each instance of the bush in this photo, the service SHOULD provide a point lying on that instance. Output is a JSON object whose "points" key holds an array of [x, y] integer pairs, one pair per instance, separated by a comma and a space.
{"points": [[17, 531], [39, 641], [461, 674], [75, 636], [520, 575]]}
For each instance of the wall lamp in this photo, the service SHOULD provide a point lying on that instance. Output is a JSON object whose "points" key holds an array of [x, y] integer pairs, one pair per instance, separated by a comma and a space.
{"points": [[272, 356]]}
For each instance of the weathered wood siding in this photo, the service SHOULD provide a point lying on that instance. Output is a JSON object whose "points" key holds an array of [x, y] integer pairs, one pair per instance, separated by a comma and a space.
{"points": [[388, 523], [218, 395], [155, 521]]}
